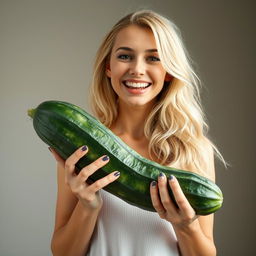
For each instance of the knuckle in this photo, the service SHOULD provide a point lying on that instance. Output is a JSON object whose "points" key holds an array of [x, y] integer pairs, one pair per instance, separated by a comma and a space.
{"points": [[85, 197], [187, 219], [97, 164], [166, 201], [156, 206], [191, 217], [98, 184], [67, 165], [83, 174], [75, 190], [181, 203], [154, 199], [161, 212], [89, 199], [161, 184]]}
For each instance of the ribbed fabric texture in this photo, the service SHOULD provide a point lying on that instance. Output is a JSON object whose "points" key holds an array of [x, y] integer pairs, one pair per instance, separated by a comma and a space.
{"points": [[125, 230]]}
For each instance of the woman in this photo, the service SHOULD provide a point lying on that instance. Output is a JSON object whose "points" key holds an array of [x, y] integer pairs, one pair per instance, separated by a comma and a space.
{"points": [[145, 90]]}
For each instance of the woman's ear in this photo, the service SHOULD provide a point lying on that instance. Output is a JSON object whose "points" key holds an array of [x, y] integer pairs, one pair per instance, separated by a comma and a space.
{"points": [[168, 77], [108, 70]]}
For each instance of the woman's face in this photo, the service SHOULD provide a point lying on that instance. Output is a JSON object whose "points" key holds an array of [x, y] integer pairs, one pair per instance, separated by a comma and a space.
{"points": [[136, 73]]}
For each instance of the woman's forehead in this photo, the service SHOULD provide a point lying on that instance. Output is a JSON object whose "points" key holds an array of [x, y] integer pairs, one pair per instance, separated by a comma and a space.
{"points": [[134, 36]]}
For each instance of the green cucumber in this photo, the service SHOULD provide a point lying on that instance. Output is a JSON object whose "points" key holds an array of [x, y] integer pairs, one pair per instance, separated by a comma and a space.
{"points": [[65, 127]]}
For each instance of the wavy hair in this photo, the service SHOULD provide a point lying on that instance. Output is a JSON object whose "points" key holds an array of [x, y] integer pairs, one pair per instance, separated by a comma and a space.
{"points": [[176, 128]]}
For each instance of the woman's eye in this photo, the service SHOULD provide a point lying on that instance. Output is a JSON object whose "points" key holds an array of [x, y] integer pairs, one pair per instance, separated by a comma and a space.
{"points": [[124, 57], [153, 58]]}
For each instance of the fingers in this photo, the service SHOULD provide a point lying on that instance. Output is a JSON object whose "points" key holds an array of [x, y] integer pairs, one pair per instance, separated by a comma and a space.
{"points": [[103, 182], [157, 204], [73, 159], [86, 193], [166, 200], [78, 182], [91, 168], [164, 204], [179, 196], [185, 208]]}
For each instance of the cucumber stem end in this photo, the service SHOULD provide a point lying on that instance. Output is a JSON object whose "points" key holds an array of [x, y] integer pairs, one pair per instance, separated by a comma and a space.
{"points": [[31, 112]]}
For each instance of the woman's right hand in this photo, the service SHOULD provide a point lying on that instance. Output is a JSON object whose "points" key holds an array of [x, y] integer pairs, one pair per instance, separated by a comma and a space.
{"points": [[87, 194]]}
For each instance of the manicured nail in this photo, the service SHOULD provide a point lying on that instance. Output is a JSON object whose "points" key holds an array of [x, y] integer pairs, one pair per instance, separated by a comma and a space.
{"points": [[153, 183], [117, 174], [50, 149], [105, 158], [161, 175], [171, 177], [84, 148]]}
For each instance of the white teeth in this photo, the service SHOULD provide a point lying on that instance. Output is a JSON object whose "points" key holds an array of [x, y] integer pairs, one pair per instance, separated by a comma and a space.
{"points": [[136, 85]]}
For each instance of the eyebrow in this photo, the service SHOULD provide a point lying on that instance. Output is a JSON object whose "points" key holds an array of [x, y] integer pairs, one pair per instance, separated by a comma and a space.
{"points": [[131, 50]]}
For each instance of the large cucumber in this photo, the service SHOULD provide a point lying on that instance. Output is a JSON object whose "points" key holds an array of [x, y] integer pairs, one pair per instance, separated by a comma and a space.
{"points": [[65, 127]]}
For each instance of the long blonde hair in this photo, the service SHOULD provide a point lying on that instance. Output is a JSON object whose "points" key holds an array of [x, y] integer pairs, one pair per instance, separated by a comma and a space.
{"points": [[176, 128]]}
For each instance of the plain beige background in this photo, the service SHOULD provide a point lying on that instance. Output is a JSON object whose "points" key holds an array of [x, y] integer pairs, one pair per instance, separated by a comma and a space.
{"points": [[46, 52]]}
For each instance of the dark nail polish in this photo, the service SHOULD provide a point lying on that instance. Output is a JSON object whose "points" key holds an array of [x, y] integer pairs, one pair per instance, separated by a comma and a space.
{"points": [[117, 174], [105, 158], [84, 148], [171, 177], [161, 174], [153, 183]]}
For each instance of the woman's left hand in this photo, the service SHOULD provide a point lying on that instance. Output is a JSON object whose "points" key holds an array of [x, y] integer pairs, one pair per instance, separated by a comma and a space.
{"points": [[181, 216]]}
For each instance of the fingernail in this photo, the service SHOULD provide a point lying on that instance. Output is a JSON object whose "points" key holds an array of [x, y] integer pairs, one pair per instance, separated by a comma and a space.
{"points": [[161, 175], [117, 174], [50, 149], [105, 158], [153, 183], [84, 148], [171, 177]]}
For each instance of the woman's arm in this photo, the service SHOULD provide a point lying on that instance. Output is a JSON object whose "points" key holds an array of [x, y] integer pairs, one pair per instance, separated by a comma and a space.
{"points": [[74, 224], [194, 240], [78, 205], [194, 233]]}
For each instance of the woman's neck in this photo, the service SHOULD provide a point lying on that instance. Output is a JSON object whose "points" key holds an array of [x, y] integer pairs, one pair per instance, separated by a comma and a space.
{"points": [[131, 121]]}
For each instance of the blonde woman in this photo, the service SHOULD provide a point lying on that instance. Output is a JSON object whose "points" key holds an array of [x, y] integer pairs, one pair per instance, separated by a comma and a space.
{"points": [[145, 90]]}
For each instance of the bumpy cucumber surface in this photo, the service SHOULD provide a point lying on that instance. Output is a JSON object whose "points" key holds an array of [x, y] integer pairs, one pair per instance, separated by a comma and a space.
{"points": [[65, 127]]}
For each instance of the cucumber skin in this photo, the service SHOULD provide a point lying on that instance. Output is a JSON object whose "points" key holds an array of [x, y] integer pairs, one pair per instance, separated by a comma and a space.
{"points": [[65, 127]]}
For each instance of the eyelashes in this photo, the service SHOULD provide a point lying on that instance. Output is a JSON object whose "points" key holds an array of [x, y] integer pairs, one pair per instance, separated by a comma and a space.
{"points": [[153, 58], [127, 57], [124, 57]]}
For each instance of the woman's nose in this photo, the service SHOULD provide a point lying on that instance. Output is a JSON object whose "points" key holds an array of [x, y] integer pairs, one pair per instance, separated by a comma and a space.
{"points": [[137, 68]]}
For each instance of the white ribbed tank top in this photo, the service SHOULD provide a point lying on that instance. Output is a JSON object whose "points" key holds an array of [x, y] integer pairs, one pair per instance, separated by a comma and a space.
{"points": [[125, 230]]}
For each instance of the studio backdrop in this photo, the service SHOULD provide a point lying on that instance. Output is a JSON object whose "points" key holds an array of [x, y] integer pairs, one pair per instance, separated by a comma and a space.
{"points": [[47, 49]]}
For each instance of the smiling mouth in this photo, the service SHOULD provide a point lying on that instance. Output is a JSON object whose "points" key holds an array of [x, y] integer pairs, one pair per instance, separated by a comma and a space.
{"points": [[136, 85]]}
